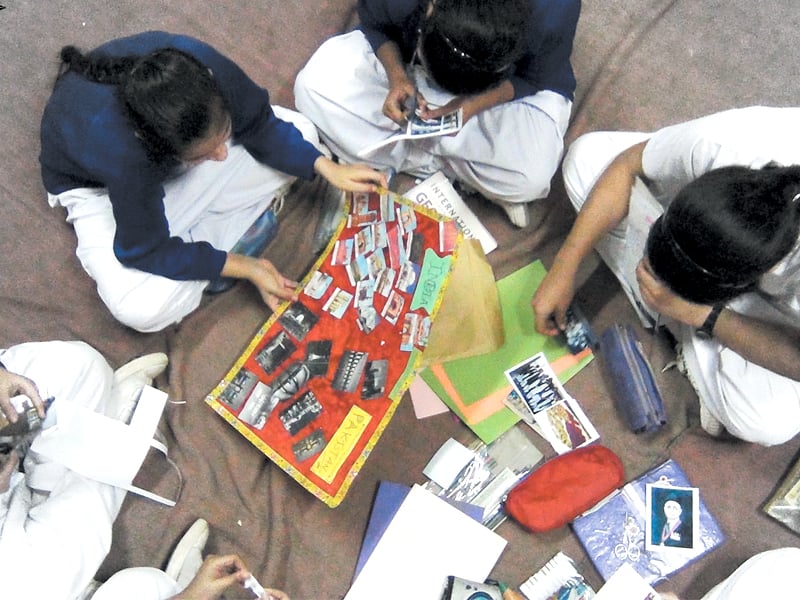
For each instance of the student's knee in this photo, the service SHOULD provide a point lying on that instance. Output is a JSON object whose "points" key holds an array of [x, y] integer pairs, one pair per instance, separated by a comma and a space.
{"points": [[582, 165], [530, 185], [310, 84], [771, 420], [589, 155], [765, 429], [303, 124], [521, 184], [302, 96], [155, 304], [86, 360]]}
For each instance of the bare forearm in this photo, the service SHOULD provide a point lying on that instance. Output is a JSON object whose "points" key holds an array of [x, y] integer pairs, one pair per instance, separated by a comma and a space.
{"points": [[773, 347], [237, 266], [391, 59], [500, 94], [606, 206]]}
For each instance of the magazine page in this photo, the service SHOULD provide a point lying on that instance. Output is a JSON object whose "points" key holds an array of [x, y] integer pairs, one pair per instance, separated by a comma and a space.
{"points": [[437, 193], [557, 580], [418, 128]]}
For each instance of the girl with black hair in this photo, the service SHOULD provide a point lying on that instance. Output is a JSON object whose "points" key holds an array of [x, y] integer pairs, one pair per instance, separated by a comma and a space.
{"points": [[721, 264], [167, 158], [505, 63]]}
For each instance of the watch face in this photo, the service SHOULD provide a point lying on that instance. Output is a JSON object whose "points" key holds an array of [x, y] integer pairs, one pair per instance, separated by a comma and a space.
{"points": [[703, 334]]}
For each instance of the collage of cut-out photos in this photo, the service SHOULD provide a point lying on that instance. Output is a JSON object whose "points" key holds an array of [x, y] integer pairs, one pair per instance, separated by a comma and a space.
{"points": [[320, 380]]}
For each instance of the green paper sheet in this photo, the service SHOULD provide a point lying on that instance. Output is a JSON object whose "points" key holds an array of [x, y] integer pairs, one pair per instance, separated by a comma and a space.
{"points": [[476, 377]]}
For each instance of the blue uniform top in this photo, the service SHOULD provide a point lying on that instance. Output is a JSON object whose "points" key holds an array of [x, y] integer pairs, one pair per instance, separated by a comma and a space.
{"points": [[544, 66], [87, 142]]}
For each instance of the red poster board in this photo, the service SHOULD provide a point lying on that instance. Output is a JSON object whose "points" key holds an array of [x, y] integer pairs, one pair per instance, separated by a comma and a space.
{"points": [[317, 385]]}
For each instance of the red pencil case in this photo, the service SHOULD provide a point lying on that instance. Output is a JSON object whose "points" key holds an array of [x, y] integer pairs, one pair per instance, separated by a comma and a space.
{"points": [[564, 487]]}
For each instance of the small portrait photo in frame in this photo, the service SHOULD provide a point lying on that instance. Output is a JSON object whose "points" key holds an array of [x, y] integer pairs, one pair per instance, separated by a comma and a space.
{"points": [[673, 517]]}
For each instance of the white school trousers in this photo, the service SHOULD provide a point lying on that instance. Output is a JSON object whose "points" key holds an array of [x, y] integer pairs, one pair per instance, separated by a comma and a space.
{"points": [[213, 202], [770, 574], [55, 526], [753, 404], [138, 583], [508, 153]]}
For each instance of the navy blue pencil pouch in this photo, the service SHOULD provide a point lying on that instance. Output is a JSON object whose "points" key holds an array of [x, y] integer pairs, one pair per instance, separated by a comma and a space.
{"points": [[636, 392]]}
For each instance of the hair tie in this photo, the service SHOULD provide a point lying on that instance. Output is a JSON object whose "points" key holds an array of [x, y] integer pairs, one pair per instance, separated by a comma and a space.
{"points": [[484, 65], [718, 279]]}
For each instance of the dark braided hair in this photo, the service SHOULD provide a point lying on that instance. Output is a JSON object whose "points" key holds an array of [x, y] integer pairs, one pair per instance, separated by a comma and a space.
{"points": [[724, 230], [170, 99]]}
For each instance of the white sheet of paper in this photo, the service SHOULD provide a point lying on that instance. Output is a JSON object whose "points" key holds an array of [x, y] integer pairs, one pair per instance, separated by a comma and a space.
{"points": [[449, 460], [627, 584], [426, 541]]}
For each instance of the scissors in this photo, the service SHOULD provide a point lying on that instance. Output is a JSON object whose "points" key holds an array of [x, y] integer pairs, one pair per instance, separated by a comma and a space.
{"points": [[412, 104]]}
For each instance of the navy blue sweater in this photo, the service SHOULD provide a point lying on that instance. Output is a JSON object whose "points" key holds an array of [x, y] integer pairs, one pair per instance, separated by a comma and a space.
{"points": [[545, 66], [87, 142]]}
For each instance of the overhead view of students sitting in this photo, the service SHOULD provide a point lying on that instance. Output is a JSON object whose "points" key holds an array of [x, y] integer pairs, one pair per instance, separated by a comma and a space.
{"points": [[360, 299]]}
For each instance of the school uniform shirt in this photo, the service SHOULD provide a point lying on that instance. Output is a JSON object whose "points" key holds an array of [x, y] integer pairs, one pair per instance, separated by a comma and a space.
{"points": [[86, 141], [544, 66]]}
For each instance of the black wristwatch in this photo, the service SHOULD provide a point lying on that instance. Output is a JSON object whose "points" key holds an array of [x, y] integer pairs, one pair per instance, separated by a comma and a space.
{"points": [[706, 330]]}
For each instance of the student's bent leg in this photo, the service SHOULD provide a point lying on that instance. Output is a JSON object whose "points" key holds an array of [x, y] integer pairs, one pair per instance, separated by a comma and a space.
{"points": [[140, 583], [586, 159], [589, 156], [752, 403], [140, 300], [766, 575], [508, 153], [70, 531], [59, 520], [342, 89], [72, 371]]}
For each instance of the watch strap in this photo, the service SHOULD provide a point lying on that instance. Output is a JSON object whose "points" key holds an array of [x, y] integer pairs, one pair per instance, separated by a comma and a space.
{"points": [[706, 330]]}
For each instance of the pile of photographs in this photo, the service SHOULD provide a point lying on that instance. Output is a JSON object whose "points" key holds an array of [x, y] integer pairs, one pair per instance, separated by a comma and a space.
{"points": [[320, 380], [540, 400]]}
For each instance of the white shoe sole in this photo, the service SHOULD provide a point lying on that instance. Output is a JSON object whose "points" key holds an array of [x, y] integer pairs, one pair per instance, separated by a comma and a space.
{"points": [[149, 365], [710, 424], [194, 538]]}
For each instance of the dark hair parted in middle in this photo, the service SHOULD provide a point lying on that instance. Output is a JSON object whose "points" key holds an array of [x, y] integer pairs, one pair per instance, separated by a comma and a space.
{"points": [[724, 230], [469, 46]]}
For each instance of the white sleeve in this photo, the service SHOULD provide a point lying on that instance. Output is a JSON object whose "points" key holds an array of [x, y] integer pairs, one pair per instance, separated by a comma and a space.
{"points": [[750, 137]]}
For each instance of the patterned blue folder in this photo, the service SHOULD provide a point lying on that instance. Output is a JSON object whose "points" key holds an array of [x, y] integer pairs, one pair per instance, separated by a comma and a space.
{"points": [[614, 532]]}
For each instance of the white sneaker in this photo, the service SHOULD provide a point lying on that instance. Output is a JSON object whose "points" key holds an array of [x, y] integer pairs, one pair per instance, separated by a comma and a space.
{"points": [[129, 380], [148, 366], [517, 212], [89, 590], [187, 557], [710, 424]]}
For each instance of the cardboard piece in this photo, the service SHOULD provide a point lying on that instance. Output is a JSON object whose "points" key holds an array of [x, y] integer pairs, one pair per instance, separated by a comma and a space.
{"points": [[470, 320], [474, 387]]}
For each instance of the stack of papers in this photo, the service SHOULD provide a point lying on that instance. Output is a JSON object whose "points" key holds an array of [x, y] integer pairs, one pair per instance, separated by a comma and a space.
{"points": [[426, 540]]}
